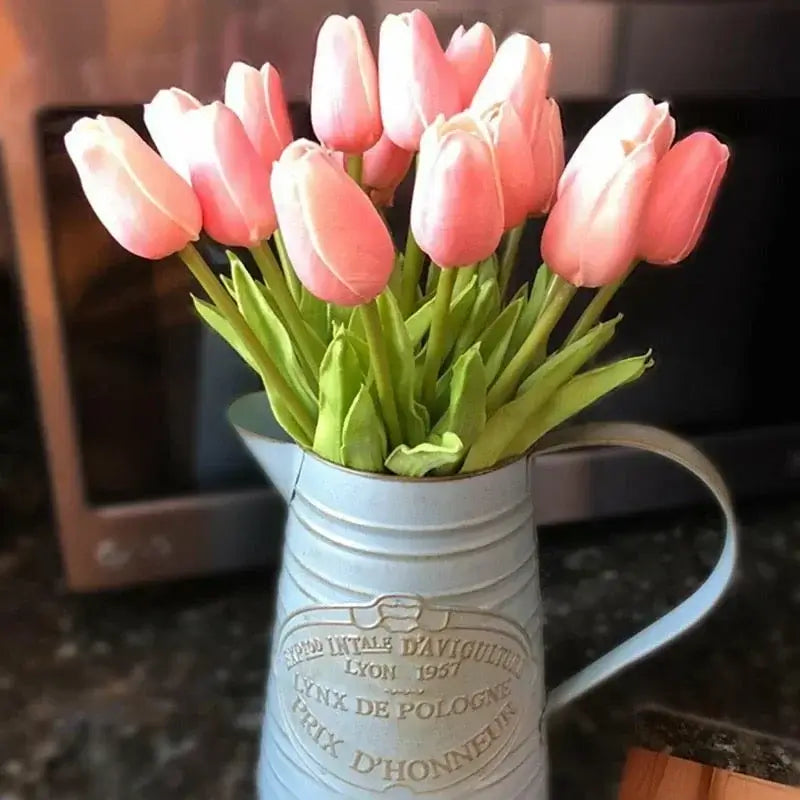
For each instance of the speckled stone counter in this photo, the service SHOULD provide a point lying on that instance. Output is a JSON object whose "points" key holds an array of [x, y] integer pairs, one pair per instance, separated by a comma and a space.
{"points": [[156, 692]]}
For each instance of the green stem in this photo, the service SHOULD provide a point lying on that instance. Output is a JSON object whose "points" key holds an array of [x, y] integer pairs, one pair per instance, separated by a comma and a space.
{"points": [[379, 359], [507, 383], [437, 336], [300, 332], [509, 255], [413, 262], [295, 287], [266, 366], [355, 167], [593, 311]]}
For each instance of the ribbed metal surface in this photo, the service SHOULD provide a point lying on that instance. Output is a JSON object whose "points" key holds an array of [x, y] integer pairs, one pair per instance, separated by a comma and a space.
{"points": [[462, 544]]}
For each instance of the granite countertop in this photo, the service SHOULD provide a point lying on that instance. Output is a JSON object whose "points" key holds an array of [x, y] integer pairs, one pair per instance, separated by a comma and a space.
{"points": [[156, 692]]}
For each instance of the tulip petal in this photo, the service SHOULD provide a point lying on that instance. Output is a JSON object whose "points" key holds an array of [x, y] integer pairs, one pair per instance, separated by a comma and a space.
{"points": [[684, 188], [145, 205], [360, 256], [345, 111]]}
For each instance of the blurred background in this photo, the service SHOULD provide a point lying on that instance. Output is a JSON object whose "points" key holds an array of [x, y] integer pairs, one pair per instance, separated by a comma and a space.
{"points": [[147, 480]]}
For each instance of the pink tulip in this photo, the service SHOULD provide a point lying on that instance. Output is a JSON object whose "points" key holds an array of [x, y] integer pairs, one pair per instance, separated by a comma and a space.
{"points": [[256, 97], [345, 110], [385, 166], [471, 53], [457, 208], [548, 158], [337, 241], [684, 188], [146, 206], [514, 162], [635, 118], [229, 177], [417, 82], [591, 235], [520, 73], [162, 116]]}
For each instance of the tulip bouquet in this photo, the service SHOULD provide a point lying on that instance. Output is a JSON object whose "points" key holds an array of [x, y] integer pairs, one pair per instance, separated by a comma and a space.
{"points": [[414, 360]]}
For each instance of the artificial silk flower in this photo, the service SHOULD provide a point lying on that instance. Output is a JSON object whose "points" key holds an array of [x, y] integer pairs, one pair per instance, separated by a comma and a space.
{"points": [[229, 177], [685, 185], [257, 98], [335, 238], [635, 118], [457, 209], [548, 158], [145, 205], [162, 117], [417, 82], [471, 53], [592, 234], [519, 73], [385, 166], [514, 162], [345, 110]]}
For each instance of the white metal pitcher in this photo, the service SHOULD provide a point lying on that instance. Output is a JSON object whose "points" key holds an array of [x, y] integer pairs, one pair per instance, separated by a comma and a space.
{"points": [[407, 656]]}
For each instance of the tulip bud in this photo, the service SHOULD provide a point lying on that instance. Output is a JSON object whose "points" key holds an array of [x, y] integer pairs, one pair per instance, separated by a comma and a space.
{"points": [[229, 177], [520, 73], [145, 205], [685, 185], [345, 110], [514, 162], [417, 82], [591, 235], [385, 166], [162, 117], [635, 118], [336, 240], [471, 53], [548, 158], [457, 208], [256, 97]]}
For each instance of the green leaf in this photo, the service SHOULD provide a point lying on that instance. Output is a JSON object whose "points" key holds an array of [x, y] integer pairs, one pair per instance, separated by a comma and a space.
{"points": [[494, 342], [418, 323], [483, 312], [356, 326], [508, 423], [401, 364], [463, 276], [488, 269], [530, 313], [364, 443], [211, 315], [466, 412], [541, 283], [415, 462], [315, 314], [573, 357], [340, 380], [270, 331], [339, 314], [576, 395], [432, 278], [227, 282], [396, 278]]}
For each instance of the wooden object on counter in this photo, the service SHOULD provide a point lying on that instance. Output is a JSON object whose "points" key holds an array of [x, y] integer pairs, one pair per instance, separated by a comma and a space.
{"points": [[660, 776]]}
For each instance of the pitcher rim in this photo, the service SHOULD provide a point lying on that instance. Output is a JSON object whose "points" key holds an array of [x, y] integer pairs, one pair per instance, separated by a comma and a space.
{"points": [[363, 473]]}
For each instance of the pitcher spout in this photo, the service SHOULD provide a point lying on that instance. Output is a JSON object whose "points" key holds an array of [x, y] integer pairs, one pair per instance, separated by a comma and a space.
{"points": [[279, 457]]}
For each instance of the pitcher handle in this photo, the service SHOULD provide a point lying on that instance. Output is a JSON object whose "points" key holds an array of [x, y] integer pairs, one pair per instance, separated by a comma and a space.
{"points": [[694, 608]]}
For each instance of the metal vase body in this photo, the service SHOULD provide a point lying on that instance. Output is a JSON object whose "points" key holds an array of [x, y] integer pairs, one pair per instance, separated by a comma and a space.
{"points": [[407, 656]]}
